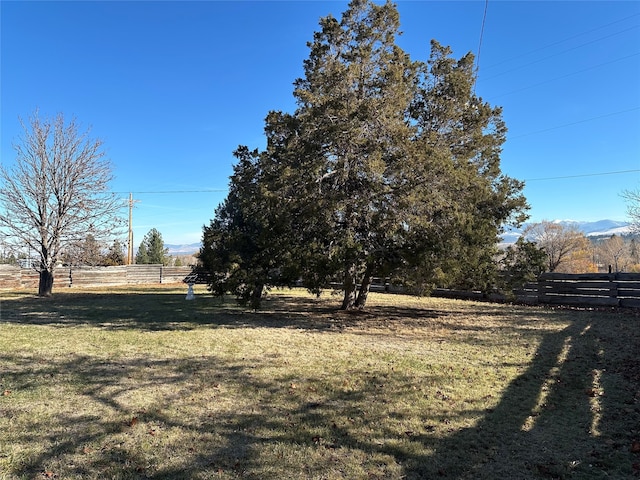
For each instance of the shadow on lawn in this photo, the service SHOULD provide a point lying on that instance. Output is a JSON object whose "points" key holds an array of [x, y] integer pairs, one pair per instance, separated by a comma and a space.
{"points": [[170, 311], [162, 310], [573, 413], [159, 311]]}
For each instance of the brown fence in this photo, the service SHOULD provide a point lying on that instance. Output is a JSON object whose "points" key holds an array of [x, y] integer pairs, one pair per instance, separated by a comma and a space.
{"points": [[582, 290], [590, 289], [12, 277]]}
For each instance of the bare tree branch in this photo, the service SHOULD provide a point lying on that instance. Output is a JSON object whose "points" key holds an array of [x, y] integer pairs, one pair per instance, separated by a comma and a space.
{"points": [[57, 191], [633, 207]]}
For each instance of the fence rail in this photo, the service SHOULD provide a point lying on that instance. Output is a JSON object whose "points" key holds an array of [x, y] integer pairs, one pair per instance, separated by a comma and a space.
{"points": [[12, 277], [588, 289]]}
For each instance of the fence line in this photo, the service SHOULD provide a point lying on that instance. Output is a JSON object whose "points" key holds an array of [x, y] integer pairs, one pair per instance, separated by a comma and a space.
{"points": [[588, 289], [12, 277]]}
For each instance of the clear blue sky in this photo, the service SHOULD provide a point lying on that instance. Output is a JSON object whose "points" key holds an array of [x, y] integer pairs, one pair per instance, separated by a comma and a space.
{"points": [[174, 87]]}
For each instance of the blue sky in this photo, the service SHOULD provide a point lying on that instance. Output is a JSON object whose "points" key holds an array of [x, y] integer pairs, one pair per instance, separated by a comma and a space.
{"points": [[174, 87]]}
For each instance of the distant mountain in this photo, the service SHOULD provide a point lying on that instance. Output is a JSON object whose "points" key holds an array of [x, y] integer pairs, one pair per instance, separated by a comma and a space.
{"points": [[601, 228], [187, 249]]}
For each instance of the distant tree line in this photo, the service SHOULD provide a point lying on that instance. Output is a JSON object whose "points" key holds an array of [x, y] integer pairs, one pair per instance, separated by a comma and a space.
{"points": [[89, 251]]}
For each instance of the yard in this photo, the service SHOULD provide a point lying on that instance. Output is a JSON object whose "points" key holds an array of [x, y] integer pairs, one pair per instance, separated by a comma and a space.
{"points": [[137, 382]]}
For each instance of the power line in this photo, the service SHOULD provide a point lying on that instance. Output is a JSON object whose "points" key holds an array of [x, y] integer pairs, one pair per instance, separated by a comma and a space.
{"points": [[559, 53], [214, 190], [484, 18], [575, 123], [601, 174], [561, 41], [567, 75]]}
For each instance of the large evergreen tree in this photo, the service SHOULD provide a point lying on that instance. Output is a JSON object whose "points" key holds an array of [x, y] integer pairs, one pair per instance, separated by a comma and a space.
{"points": [[353, 106], [387, 167], [241, 247], [463, 198]]}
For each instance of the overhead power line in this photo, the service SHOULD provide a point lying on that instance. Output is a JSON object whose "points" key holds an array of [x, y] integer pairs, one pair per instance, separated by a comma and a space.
{"points": [[506, 60], [575, 123], [601, 174], [213, 190], [484, 18], [566, 75], [559, 53]]}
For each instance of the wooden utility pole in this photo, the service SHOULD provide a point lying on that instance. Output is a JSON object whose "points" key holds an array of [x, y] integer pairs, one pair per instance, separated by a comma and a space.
{"points": [[130, 240]]}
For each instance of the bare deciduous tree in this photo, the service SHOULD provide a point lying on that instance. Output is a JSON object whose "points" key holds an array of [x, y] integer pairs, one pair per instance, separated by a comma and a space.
{"points": [[633, 207], [559, 242], [615, 253], [56, 191]]}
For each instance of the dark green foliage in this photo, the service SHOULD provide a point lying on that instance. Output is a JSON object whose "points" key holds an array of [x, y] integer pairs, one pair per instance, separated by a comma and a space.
{"points": [[8, 259], [523, 262], [115, 254], [242, 246], [388, 167], [142, 256], [151, 249]]}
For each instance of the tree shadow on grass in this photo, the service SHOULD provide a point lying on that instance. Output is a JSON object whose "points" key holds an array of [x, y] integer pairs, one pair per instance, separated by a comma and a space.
{"points": [[572, 413], [120, 433], [157, 310], [160, 311]]}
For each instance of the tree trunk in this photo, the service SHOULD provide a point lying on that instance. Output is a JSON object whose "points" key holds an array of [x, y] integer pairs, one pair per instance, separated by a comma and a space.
{"points": [[256, 295], [361, 301], [349, 300], [45, 286]]}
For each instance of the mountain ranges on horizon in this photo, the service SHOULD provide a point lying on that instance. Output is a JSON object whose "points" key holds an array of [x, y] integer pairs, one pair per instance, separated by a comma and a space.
{"points": [[183, 249], [600, 228]]}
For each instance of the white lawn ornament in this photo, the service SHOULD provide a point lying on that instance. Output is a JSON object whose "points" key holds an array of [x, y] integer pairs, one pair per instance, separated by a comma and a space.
{"points": [[190, 294]]}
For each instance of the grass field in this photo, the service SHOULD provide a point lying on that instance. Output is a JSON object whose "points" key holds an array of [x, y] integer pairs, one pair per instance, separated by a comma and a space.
{"points": [[135, 383]]}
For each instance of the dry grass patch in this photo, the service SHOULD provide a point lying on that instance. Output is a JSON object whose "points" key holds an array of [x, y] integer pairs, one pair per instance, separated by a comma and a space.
{"points": [[139, 383]]}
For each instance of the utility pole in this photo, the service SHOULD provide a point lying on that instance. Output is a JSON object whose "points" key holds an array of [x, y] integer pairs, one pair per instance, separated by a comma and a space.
{"points": [[130, 240]]}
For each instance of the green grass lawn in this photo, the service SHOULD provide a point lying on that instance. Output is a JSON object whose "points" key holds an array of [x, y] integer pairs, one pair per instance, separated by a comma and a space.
{"points": [[136, 382]]}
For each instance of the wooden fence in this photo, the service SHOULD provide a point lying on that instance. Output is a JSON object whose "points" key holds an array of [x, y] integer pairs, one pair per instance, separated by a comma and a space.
{"points": [[581, 290], [590, 289], [12, 277]]}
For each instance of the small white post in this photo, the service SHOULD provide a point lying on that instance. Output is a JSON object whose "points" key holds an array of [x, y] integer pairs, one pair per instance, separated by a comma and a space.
{"points": [[190, 294]]}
